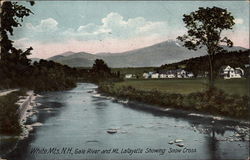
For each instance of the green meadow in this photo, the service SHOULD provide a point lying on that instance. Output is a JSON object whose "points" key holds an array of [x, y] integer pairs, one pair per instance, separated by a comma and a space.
{"points": [[187, 86]]}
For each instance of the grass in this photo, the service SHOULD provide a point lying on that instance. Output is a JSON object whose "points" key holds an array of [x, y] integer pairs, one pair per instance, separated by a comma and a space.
{"points": [[187, 86], [186, 94], [9, 123]]}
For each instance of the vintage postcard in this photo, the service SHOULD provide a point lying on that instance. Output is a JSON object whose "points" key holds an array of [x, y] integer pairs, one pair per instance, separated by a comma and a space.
{"points": [[124, 80]]}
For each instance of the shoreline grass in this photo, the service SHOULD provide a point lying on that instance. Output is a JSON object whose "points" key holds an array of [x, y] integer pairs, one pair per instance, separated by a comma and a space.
{"points": [[213, 101], [9, 123]]}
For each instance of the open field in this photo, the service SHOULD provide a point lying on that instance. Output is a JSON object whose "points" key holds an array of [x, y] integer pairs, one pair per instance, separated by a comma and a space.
{"points": [[186, 86]]}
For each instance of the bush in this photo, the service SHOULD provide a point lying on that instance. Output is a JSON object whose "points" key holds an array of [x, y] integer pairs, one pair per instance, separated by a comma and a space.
{"points": [[9, 119], [212, 101]]}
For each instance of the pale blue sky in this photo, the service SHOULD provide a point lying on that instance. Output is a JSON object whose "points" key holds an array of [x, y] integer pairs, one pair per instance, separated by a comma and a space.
{"points": [[109, 26]]}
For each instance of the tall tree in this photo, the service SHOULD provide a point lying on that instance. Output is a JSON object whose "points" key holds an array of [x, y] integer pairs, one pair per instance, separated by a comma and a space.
{"points": [[14, 63], [100, 67], [204, 28]]}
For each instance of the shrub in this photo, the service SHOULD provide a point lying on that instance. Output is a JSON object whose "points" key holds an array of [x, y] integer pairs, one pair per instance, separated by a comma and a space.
{"points": [[9, 119], [212, 101]]}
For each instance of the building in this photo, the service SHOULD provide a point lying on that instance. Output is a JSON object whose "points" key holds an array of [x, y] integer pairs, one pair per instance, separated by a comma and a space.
{"points": [[146, 75], [155, 75], [128, 76], [239, 73], [180, 73], [163, 75], [190, 75], [228, 72]]}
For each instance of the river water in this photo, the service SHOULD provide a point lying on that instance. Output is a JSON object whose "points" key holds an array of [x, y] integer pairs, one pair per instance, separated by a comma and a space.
{"points": [[74, 126]]}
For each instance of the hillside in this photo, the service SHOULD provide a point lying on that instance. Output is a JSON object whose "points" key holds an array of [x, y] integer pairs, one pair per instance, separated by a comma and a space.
{"points": [[80, 59], [200, 64]]}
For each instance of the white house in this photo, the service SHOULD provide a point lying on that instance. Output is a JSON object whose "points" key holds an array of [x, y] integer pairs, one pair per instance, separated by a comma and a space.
{"points": [[228, 72], [145, 75], [155, 75], [163, 75], [239, 71], [190, 75], [171, 75], [128, 76], [180, 73]]}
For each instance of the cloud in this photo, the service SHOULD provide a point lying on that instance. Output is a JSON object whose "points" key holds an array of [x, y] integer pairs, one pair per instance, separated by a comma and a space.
{"points": [[111, 26], [114, 25], [45, 25], [239, 21], [113, 33]]}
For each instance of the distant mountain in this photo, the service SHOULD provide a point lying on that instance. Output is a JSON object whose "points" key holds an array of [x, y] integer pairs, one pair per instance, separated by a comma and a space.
{"points": [[67, 53], [104, 54], [80, 59], [155, 55]]}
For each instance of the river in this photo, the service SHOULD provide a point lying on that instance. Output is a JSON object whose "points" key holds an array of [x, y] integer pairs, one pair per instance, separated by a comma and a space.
{"points": [[74, 124]]}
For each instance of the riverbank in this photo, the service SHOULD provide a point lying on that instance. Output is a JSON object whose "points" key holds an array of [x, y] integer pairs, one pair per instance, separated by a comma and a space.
{"points": [[18, 106], [9, 118], [215, 102]]}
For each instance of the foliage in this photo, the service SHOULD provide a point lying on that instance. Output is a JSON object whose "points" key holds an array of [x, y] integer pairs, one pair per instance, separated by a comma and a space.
{"points": [[100, 67], [49, 75], [211, 101], [204, 30], [42, 76], [16, 69], [11, 15], [8, 113], [101, 72]]}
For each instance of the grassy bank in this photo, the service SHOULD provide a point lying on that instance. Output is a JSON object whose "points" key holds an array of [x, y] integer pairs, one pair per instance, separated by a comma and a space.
{"points": [[187, 86], [9, 123], [190, 95]]}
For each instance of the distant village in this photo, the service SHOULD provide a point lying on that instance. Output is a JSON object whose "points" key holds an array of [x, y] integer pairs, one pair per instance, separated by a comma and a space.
{"points": [[225, 72]]}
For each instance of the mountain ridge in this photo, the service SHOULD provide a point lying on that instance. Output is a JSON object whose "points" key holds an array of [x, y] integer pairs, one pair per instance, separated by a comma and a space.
{"points": [[150, 56]]}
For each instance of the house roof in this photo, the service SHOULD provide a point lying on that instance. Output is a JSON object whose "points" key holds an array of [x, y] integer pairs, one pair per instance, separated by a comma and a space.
{"points": [[224, 67], [238, 68]]}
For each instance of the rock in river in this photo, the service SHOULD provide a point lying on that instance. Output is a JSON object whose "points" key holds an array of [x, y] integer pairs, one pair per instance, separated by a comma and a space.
{"points": [[178, 140], [180, 144], [112, 131]]}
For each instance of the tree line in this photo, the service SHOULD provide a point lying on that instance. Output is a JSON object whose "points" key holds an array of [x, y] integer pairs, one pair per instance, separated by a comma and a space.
{"points": [[16, 70]]}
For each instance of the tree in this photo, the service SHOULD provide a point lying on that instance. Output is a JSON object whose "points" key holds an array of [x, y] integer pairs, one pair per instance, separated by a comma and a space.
{"points": [[11, 15], [101, 68], [14, 63], [204, 30]]}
